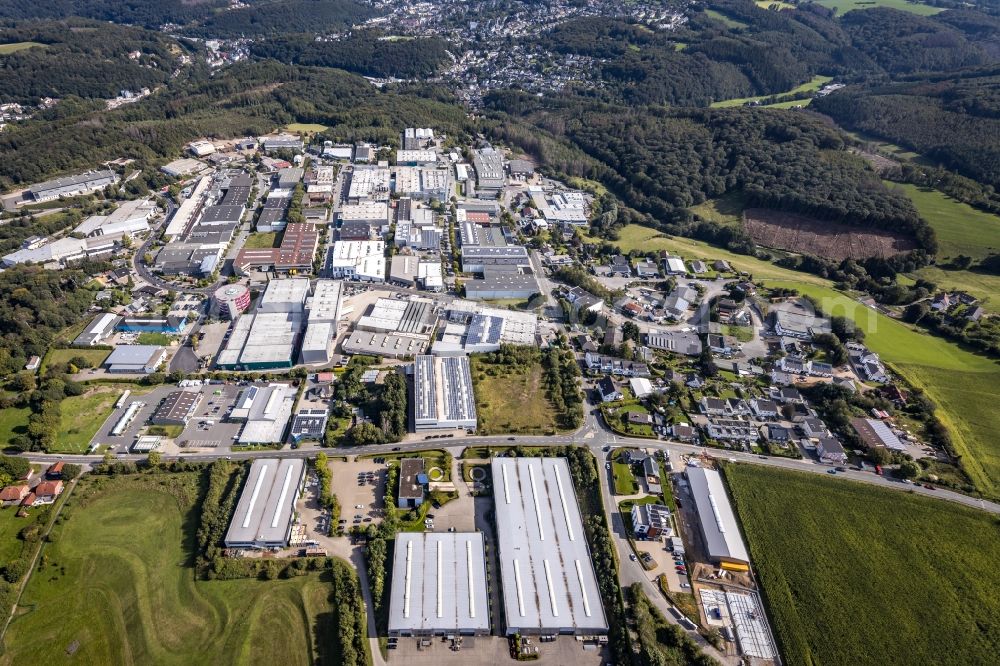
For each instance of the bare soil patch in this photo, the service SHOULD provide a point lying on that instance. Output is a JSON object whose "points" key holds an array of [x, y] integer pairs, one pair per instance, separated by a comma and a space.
{"points": [[832, 240]]}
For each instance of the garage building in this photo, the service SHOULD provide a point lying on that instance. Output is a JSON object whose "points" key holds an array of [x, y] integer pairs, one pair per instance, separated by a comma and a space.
{"points": [[439, 585], [547, 575]]}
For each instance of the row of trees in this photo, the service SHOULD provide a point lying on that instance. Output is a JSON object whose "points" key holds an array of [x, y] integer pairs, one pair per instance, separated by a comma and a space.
{"points": [[562, 385]]}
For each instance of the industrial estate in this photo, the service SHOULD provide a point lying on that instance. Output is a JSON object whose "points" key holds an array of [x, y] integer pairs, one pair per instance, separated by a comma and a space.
{"points": [[539, 380]]}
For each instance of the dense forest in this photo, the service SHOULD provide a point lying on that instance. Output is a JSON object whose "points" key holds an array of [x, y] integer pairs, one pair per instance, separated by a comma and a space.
{"points": [[660, 162], [201, 18], [953, 121], [246, 99], [364, 52], [83, 59]]}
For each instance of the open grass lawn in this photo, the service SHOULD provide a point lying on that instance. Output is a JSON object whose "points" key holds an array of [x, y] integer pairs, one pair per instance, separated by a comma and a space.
{"points": [[13, 421], [118, 580], [844, 6], [767, 4], [854, 574], [95, 356], [82, 415], [153, 338], [960, 228], [18, 46], [815, 83], [307, 128], [261, 241], [10, 525], [727, 209], [511, 403], [625, 483]]}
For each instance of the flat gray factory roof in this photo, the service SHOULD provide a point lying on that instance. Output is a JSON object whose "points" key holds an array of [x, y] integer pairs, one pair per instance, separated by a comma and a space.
{"points": [[548, 577], [264, 512], [439, 583], [718, 523]]}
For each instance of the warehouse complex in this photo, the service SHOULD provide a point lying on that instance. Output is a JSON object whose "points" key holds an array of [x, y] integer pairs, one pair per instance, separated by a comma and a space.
{"points": [[266, 410], [719, 528], [548, 580], [266, 508], [442, 393], [439, 585]]}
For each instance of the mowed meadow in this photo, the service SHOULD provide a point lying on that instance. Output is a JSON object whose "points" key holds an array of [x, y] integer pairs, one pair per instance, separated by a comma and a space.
{"points": [[116, 586], [856, 574]]}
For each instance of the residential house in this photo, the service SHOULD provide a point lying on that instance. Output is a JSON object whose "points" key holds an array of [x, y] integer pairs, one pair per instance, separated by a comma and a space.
{"points": [[813, 427], [651, 472], [721, 266], [737, 407], [731, 312], [776, 433], [786, 395], [607, 389], [615, 366], [675, 306], [713, 406], [764, 409], [728, 430], [831, 451], [674, 266], [15, 494], [46, 492], [722, 344], [620, 266], [818, 369], [647, 270], [583, 300], [684, 433], [613, 337], [698, 267]]}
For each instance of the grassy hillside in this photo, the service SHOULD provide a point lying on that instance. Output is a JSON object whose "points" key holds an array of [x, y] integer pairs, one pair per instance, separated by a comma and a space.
{"points": [[960, 228], [844, 6], [815, 83], [117, 580], [854, 574]]}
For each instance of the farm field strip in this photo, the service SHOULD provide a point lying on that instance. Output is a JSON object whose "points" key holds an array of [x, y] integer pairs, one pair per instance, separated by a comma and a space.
{"points": [[894, 576]]}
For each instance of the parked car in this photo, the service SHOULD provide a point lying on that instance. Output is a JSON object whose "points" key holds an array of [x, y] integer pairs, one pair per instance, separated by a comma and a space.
{"points": [[631, 556]]}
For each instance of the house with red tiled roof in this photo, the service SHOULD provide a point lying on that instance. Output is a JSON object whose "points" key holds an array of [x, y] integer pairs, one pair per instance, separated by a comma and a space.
{"points": [[14, 494]]}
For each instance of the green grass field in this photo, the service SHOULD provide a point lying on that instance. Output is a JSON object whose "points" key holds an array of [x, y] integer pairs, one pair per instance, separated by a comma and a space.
{"points": [[95, 356], [13, 421], [727, 209], [844, 6], [261, 241], [118, 580], [767, 4], [960, 228], [514, 403], [154, 338], [625, 483], [10, 525], [307, 128], [82, 415], [18, 46], [815, 83], [728, 22], [854, 574]]}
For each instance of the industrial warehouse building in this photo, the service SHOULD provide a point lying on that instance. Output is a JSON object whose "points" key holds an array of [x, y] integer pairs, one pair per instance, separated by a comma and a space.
{"points": [[99, 330], [323, 309], [135, 359], [266, 508], [176, 409], [439, 585], [442, 393], [719, 528], [267, 411], [547, 576], [71, 185], [268, 339]]}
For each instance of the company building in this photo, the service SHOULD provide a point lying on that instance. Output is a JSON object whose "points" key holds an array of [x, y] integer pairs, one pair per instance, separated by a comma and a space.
{"points": [[266, 508], [721, 533], [443, 394], [439, 585], [548, 584]]}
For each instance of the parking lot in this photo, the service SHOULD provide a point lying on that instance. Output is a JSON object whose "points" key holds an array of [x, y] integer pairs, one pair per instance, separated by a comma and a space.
{"points": [[489, 650], [120, 443], [207, 429], [359, 483]]}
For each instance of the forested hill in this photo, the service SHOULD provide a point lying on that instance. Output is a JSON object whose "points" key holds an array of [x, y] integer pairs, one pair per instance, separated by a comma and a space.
{"points": [[83, 58], [246, 99], [201, 18], [366, 52], [954, 121], [661, 161]]}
